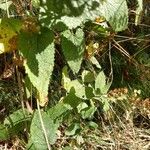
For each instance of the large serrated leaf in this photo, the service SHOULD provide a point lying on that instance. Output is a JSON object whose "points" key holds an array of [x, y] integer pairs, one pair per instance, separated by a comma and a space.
{"points": [[73, 48], [38, 51], [71, 14], [37, 134], [68, 13], [116, 13]]}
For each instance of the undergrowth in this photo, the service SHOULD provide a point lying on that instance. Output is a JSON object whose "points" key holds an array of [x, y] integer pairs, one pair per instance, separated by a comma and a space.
{"points": [[68, 83]]}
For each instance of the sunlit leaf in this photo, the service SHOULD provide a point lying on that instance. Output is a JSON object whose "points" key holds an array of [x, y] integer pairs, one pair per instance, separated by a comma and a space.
{"points": [[75, 85], [38, 51], [93, 124], [95, 62], [73, 48], [88, 112], [72, 129], [35, 3], [81, 106], [68, 13], [71, 14], [100, 83], [116, 13], [37, 134]]}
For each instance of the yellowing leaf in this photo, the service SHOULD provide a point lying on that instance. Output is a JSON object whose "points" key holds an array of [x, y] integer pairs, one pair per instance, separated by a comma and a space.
{"points": [[8, 34], [91, 49], [42, 99], [7, 40]]}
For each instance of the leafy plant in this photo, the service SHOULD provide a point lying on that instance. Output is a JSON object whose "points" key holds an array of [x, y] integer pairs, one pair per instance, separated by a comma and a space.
{"points": [[76, 31], [38, 136]]}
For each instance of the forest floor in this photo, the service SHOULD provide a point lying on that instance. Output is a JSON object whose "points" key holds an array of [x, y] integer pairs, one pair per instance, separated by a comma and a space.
{"points": [[130, 131]]}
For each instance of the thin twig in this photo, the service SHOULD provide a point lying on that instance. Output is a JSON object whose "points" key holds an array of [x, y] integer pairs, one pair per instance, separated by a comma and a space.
{"points": [[110, 60], [121, 49], [145, 25], [141, 50], [133, 38]]}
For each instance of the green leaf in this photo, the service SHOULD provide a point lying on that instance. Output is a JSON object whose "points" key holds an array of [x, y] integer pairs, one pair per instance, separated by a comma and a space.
{"points": [[89, 92], [68, 13], [88, 112], [11, 23], [30, 145], [73, 48], [67, 148], [74, 85], [65, 79], [95, 62], [106, 105], [74, 13], [35, 3], [81, 106], [37, 134], [58, 110], [72, 129], [38, 51], [79, 89], [88, 76], [17, 121], [72, 99], [100, 83], [3, 132], [93, 124], [116, 13], [17, 117]]}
